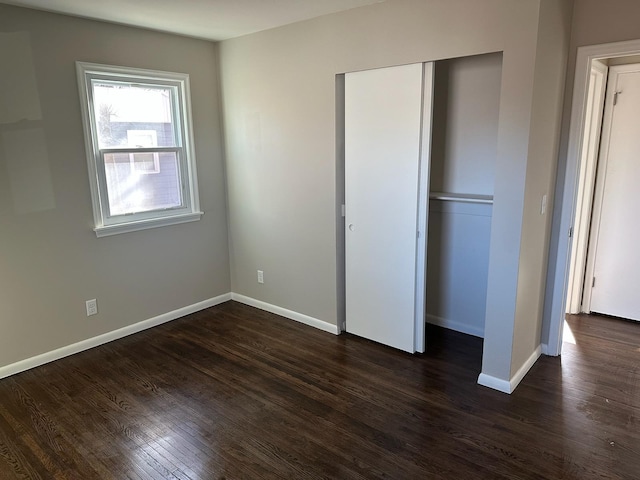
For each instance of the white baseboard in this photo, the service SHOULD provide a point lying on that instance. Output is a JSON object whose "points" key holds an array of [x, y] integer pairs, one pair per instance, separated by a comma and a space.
{"points": [[62, 352], [495, 383], [509, 386], [524, 369], [283, 312], [454, 325]]}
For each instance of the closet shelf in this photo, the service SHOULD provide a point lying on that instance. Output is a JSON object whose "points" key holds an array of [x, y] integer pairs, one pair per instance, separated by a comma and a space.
{"points": [[461, 197]]}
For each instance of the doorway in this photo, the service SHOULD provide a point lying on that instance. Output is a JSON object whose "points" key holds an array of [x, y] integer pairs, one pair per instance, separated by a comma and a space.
{"points": [[567, 219]]}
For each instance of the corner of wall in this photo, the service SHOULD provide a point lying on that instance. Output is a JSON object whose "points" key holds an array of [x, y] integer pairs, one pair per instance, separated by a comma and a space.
{"points": [[508, 386], [290, 314]]}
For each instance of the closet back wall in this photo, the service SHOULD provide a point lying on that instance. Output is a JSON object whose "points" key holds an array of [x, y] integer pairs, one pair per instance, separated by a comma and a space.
{"points": [[463, 157]]}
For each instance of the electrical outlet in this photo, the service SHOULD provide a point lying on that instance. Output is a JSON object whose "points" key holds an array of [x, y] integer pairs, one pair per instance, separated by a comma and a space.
{"points": [[260, 276], [92, 307]]}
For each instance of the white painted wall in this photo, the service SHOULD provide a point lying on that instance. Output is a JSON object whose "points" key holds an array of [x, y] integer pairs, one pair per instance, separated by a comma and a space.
{"points": [[279, 109], [51, 260]]}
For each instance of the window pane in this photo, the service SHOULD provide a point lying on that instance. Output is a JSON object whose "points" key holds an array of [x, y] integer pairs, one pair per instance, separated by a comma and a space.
{"points": [[141, 182], [146, 110]]}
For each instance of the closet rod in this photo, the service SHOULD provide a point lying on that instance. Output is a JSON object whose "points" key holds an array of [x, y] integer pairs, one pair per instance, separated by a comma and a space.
{"points": [[461, 197]]}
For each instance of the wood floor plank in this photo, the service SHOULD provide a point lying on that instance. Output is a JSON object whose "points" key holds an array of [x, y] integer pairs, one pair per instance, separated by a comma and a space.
{"points": [[232, 392]]}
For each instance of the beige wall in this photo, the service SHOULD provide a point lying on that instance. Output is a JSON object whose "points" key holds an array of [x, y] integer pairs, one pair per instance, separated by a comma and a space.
{"points": [[596, 22], [279, 111], [50, 260], [553, 41]]}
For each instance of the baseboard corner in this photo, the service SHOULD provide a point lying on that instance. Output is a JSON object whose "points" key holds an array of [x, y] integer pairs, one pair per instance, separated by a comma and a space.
{"points": [[494, 383], [283, 312], [455, 325], [508, 386]]}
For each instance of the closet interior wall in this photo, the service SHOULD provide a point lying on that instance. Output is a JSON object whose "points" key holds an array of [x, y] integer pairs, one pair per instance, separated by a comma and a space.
{"points": [[463, 156]]}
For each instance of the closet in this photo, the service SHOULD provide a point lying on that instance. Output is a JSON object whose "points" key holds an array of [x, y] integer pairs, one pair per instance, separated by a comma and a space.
{"points": [[420, 148], [463, 154]]}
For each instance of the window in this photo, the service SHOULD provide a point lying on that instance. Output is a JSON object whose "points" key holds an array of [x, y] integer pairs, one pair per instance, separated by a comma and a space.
{"points": [[139, 146]]}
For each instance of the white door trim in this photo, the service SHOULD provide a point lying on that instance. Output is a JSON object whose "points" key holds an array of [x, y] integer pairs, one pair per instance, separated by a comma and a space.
{"points": [[423, 205], [586, 185], [566, 188]]}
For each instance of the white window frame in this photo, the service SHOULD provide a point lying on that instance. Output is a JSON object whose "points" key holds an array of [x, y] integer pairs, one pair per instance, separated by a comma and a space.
{"points": [[105, 223]]}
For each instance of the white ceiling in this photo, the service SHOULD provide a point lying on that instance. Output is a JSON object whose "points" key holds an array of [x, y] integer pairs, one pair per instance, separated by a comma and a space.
{"points": [[210, 19]]}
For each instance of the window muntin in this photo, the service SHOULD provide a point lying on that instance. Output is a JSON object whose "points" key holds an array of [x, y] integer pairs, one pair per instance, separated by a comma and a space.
{"points": [[139, 147], [144, 162]]}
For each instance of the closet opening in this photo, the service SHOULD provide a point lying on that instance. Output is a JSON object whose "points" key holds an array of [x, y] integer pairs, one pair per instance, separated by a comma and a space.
{"points": [[463, 156], [458, 115]]}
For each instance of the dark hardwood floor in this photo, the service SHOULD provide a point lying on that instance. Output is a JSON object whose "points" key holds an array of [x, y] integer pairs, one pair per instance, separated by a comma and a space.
{"points": [[233, 392]]}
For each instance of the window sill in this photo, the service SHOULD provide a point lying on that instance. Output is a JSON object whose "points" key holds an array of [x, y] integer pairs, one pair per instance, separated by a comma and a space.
{"points": [[108, 230]]}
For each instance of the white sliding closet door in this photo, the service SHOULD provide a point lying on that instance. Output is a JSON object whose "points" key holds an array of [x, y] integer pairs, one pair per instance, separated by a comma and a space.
{"points": [[386, 202]]}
